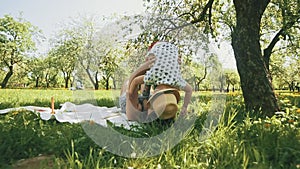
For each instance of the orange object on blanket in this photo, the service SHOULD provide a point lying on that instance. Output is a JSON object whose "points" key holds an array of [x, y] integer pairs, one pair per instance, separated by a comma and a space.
{"points": [[52, 105]]}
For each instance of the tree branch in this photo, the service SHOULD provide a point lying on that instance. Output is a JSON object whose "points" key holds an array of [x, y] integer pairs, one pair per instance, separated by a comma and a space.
{"points": [[204, 11], [282, 32], [195, 20]]}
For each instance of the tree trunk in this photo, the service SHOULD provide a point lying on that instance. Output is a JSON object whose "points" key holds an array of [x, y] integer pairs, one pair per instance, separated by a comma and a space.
{"points": [[114, 82], [47, 80], [107, 83], [96, 81], [67, 79], [255, 78], [67, 83], [96, 86], [197, 86], [291, 86], [227, 89], [221, 87], [298, 87], [7, 77], [37, 82], [47, 83]]}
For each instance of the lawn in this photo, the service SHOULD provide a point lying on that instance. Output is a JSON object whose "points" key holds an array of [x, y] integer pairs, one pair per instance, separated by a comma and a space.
{"points": [[237, 141], [25, 97]]}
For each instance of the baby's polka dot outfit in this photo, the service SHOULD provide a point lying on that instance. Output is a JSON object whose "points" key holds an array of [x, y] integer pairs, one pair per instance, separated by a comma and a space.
{"points": [[166, 69]]}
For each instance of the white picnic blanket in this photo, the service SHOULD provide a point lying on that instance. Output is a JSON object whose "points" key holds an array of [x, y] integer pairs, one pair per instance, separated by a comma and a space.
{"points": [[73, 113]]}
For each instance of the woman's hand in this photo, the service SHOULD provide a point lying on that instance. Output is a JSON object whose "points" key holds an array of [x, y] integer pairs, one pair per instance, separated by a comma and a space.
{"points": [[150, 60], [183, 111], [149, 57], [179, 60], [187, 98], [142, 69]]}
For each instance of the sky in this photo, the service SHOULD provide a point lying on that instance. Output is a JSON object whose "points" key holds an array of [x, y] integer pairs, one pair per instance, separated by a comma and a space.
{"points": [[47, 15]]}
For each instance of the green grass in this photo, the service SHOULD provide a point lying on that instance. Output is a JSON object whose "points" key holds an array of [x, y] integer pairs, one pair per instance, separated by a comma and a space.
{"points": [[24, 97], [233, 144]]}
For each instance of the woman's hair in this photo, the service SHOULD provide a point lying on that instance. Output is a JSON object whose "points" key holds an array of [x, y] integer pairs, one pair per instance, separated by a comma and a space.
{"points": [[151, 45]]}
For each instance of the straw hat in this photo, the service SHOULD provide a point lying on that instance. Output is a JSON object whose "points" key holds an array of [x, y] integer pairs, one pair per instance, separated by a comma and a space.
{"points": [[164, 102]]}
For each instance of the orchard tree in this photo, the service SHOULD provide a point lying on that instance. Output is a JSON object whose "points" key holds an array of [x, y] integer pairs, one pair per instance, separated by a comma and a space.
{"points": [[198, 70], [16, 40], [66, 52], [251, 25], [284, 69], [109, 66], [96, 56], [51, 72], [231, 78], [36, 68], [20, 78], [279, 71], [119, 76], [199, 74]]}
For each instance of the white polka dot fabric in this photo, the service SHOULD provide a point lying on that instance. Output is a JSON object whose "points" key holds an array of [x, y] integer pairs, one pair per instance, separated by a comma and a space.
{"points": [[166, 69]]}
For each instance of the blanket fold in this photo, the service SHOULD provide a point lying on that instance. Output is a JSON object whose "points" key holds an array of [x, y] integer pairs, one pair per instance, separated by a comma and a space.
{"points": [[72, 113]]}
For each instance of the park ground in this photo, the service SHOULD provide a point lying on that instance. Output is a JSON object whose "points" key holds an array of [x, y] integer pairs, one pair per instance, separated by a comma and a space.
{"points": [[240, 140]]}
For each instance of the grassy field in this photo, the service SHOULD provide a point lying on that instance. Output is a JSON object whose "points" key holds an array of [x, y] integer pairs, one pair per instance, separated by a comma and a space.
{"points": [[236, 142], [24, 97]]}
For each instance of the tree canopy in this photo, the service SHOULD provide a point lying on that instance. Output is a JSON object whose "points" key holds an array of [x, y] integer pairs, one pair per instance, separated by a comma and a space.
{"points": [[256, 30], [16, 38]]}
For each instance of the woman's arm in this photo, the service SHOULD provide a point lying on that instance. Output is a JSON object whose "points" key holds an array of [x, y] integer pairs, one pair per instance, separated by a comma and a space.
{"points": [[134, 85], [133, 109], [187, 98], [143, 68]]}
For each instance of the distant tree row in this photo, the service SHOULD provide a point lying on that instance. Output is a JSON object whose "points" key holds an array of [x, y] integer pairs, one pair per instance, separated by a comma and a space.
{"points": [[82, 52], [74, 49]]}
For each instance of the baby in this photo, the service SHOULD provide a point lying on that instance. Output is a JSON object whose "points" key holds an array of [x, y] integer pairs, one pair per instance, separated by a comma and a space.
{"points": [[165, 73]]}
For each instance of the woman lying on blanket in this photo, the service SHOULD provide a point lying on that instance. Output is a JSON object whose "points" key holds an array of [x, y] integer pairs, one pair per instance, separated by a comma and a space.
{"points": [[162, 71], [135, 105]]}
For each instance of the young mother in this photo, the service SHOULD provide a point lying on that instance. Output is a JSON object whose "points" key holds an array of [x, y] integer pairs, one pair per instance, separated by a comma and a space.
{"points": [[162, 71]]}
